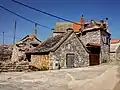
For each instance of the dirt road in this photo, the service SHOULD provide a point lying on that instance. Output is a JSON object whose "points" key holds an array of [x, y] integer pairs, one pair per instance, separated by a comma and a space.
{"points": [[103, 77]]}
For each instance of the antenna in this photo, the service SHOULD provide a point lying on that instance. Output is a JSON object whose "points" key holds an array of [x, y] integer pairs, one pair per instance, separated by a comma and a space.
{"points": [[3, 48]]}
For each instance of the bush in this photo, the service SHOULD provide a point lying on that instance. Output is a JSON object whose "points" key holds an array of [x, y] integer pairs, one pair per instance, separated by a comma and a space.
{"points": [[44, 68]]}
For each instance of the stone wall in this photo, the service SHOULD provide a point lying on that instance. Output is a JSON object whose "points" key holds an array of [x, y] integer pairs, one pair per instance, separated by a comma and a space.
{"points": [[118, 54], [105, 47], [23, 46], [91, 37], [14, 67], [5, 53], [113, 56], [71, 46], [101, 37]]}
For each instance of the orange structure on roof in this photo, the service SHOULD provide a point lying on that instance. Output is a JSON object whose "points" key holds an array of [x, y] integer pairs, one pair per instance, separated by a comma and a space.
{"points": [[76, 27], [80, 26]]}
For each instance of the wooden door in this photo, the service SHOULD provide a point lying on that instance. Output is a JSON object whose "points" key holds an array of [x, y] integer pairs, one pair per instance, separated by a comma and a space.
{"points": [[70, 60], [94, 59]]}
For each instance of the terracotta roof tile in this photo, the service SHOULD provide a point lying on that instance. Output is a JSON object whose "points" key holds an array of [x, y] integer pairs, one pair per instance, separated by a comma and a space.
{"points": [[115, 41], [94, 44]]}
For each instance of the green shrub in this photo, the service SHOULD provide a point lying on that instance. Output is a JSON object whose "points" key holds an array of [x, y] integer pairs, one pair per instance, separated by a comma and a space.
{"points": [[44, 68]]}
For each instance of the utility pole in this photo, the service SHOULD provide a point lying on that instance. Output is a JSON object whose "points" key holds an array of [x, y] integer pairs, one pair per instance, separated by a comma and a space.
{"points": [[14, 32], [3, 48], [3, 38], [36, 30]]}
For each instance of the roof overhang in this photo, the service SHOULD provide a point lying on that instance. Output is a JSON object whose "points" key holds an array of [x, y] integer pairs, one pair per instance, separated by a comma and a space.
{"points": [[93, 44]]}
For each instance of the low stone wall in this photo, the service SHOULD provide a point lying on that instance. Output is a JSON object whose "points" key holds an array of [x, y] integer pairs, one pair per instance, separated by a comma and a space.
{"points": [[14, 67]]}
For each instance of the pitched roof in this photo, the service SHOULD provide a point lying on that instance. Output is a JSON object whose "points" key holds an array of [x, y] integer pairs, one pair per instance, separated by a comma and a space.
{"points": [[32, 39], [51, 44], [48, 44], [25, 37], [88, 26], [63, 26], [91, 28], [115, 41]]}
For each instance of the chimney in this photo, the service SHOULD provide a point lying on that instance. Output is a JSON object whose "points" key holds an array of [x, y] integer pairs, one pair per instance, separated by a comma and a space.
{"points": [[82, 21], [106, 22], [101, 24]]}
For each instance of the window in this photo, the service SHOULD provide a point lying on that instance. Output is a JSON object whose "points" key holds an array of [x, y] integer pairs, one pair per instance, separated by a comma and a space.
{"points": [[106, 40], [56, 64]]}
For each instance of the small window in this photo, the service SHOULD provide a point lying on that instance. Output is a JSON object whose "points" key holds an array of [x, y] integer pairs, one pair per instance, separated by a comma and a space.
{"points": [[56, 64], [35, 45], [107, 40]]}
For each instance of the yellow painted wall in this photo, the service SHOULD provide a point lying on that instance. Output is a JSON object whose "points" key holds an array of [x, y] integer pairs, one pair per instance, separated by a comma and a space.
{"points": [[40, 61]]}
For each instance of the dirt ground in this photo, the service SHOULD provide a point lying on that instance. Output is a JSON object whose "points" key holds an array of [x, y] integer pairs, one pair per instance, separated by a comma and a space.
{"points": [[103, 77]]}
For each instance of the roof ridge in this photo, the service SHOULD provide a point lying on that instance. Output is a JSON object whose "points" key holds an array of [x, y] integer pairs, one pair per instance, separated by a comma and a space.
{"points": [[82, 44], [61, 41]]}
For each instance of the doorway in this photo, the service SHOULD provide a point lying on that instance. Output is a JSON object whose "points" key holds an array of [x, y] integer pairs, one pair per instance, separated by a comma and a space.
{"points": [[93, 59], [70, 60], [94, 55]]}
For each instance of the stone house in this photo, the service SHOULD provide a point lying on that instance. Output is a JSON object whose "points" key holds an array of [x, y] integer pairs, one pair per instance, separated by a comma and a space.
{"points": [[28, 43], [115, 50], [74, 45]]}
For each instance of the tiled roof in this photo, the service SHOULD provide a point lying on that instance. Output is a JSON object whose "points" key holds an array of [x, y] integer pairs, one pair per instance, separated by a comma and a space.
{"points": [[92, 28], [94, 44], [51, 43], [88, 26], [114, 45], [115, 41]]}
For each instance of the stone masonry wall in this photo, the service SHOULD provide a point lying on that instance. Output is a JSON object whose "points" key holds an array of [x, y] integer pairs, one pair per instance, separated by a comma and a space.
{"points": [[71, 45], [98, 37], [21, 47], [118, 54], [113, 57], [91, 37], [105, 47], [14, 67]]}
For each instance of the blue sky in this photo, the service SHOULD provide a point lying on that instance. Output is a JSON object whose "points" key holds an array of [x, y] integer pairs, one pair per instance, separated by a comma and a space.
{"points": [[70, 9]]}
